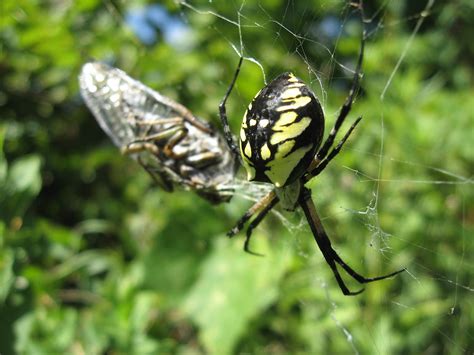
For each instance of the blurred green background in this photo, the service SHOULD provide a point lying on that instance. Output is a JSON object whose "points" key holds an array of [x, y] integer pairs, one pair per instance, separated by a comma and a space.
{"points": [[94, 259]]}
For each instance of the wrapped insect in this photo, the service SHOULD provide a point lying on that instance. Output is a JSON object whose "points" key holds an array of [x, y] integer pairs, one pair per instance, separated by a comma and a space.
{"points": [[175, 147]]}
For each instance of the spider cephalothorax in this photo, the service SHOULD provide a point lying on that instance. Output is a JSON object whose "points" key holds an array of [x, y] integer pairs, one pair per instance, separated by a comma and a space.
{"points": [[280, 140], [281, 131]]}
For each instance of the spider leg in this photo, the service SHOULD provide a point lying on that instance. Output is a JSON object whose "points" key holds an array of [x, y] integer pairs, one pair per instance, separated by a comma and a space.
{"points": [[259, 205], [346, 108], [358, 277], [223, 114], [261, 215], [320, 165], [330, 255], [330, 261], [322, 240]]}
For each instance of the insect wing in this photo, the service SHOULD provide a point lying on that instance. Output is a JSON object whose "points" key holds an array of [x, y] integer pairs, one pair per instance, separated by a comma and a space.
{"points": [[120, 104], [174, 146]]}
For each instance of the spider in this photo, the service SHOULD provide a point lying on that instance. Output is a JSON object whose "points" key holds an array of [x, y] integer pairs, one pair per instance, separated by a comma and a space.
{"points": [[280, 143]]}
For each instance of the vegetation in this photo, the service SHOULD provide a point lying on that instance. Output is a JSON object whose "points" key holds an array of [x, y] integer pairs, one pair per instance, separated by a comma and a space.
{"points": [[95, 259]]}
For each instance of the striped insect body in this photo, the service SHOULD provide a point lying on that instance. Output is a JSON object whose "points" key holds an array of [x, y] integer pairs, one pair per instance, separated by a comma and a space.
{"points": [[175, 147], [281, 131]]}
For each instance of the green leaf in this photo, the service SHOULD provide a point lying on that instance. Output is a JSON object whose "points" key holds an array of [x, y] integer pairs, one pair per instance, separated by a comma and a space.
{"points": [[6, 270], [233, 288], [93, 261], [24, 175], [22, 185], [3, 162]]}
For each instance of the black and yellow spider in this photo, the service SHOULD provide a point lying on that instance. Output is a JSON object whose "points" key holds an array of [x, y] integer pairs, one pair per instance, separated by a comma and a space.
{"points": [[280, 134]]}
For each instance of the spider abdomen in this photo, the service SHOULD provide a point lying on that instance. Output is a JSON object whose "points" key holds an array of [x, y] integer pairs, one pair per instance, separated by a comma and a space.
{"points": [[281, 131]]}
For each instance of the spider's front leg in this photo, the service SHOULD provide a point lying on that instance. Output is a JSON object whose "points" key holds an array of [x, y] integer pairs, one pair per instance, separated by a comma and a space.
{"points": [[261, 208], [317, 165], [322, 158], [223, 115]]}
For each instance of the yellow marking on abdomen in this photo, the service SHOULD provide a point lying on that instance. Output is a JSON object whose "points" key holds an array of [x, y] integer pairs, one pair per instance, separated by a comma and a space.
{"points": [[247, 164], [244, 121], [243, 137], [250, 169], [265, 152], [280, 169], [290, 131], [286, 118], [296, 85], [290, 93], [248, 150], [284, 149], [295, 103], [292, 78]]}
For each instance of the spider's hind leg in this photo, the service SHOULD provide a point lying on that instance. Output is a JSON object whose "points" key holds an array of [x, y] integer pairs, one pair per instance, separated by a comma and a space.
{"points": [[330, 255], [358, 277]]}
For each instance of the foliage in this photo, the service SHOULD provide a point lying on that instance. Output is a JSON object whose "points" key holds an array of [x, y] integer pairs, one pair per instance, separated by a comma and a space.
{"points": [[94, 259]]}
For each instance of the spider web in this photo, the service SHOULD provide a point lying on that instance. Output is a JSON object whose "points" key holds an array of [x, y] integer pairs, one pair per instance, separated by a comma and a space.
{"points": [[367, 191]]}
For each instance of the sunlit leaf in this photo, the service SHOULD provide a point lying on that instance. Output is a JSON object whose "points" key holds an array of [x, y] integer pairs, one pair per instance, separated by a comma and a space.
{"points": [[233, 288]]}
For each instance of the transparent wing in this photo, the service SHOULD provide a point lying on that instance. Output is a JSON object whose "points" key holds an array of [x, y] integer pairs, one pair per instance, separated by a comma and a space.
{"points": [[173, 145]]}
